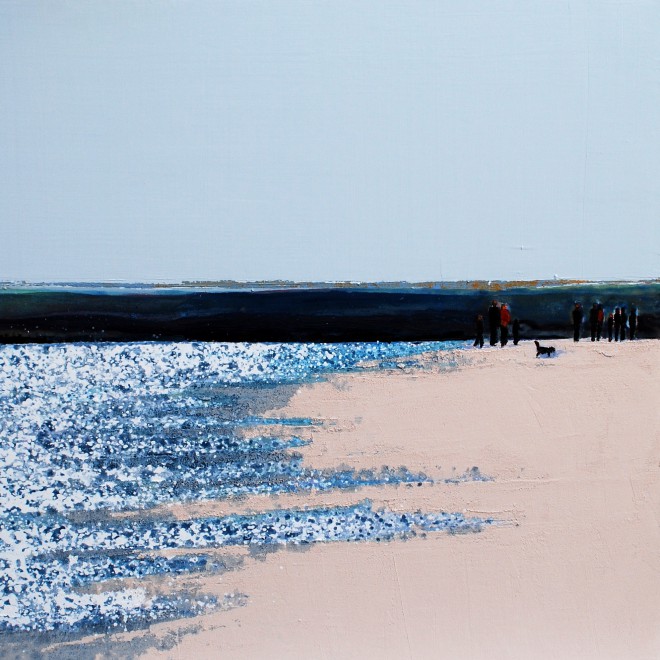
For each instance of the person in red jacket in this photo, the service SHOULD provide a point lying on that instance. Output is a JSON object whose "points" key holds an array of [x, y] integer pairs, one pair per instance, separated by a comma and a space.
{"points": [[505, 319], [599, 322]]}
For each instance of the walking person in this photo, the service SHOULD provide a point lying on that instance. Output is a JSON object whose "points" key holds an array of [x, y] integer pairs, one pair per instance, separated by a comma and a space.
{"points": [[593, 320], [599, 322], [632, 322], [516, 332], [617, 323], [624, 318], [479, 341], [610, 326], [578, 315], [493, 322], [505, 319]]}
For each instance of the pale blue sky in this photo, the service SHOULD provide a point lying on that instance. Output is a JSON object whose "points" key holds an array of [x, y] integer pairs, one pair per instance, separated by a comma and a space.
{"points": [[343, 140]]}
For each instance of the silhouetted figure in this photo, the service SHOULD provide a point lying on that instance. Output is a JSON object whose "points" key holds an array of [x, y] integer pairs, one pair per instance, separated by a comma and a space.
{"points": [[593, 320], [479, 341], [505, 319], [493, 322], [617, 324], [610, 326], [578, 315], [516, 332], [632, 322], [624, 319], [599, 322]]}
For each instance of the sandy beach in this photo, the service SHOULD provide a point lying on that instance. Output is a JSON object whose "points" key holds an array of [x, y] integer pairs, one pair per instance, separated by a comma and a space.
{"points": [[572, 450]]}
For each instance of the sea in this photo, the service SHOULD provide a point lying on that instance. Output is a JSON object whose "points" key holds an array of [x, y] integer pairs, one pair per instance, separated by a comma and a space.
{"points": [[99, 440], [312, 313]]}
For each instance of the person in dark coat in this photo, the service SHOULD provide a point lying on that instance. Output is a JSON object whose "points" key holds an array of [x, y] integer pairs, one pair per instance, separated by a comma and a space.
{"points": [[479, 341], [610, 326], [593, 320], [624, 318], [617, 323], [578, 315], [632, 322], [516, 332], [493, 322], [505, 319], [599, 322]]}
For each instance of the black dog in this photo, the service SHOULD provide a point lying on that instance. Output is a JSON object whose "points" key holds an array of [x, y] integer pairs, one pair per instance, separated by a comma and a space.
{"points": [[544, 350]]}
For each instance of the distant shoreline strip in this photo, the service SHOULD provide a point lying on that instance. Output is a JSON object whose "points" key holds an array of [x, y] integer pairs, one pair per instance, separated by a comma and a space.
{"points": [[335, 314]]}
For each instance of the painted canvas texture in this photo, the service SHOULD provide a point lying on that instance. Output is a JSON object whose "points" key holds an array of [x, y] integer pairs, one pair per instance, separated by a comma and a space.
{"points": [[171, 498], [329, 329]]}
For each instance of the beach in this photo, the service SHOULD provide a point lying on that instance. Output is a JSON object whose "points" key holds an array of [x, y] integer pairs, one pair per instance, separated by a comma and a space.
{"points": [[571, 444], [445, 503]]}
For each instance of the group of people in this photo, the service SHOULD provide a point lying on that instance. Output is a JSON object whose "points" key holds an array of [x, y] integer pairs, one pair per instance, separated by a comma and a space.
{"points": [[616, 322], [499, 320]]}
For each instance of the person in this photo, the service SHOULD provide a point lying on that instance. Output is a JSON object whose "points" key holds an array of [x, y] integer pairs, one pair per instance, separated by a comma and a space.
{"points": [[493, 322], [632, 322], [610, 326], [505, 319], [599, 322], [593, 320], [516, 332], [624, 318], [617, 323], [479, 341], [578, 315]]}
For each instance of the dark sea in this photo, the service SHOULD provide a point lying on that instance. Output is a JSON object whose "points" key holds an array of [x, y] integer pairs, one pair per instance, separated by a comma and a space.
{"points": [[313, 313]]}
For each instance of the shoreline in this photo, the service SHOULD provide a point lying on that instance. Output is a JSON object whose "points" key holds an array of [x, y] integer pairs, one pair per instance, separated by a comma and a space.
{"points": [[571, 445]]}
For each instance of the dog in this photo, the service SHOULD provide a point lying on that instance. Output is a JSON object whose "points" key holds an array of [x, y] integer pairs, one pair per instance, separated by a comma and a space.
{"points": [[543, 350]]}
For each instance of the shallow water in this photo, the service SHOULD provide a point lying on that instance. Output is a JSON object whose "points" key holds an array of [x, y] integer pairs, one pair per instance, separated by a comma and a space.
{"points": [[93, 430]]}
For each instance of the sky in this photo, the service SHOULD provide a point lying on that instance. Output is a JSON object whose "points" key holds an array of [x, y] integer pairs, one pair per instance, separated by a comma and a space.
{"points": [[329, 140]]}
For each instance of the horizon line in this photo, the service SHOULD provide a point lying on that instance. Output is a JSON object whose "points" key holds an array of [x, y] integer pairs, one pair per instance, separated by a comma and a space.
{"points": [[477, 284]]}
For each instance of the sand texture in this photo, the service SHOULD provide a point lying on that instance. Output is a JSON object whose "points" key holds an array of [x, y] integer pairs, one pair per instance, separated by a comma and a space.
{"points": [[573, 570]]}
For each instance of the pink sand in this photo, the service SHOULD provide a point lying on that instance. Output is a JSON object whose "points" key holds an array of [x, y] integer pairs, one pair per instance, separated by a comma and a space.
{"points": [[573, 446]]}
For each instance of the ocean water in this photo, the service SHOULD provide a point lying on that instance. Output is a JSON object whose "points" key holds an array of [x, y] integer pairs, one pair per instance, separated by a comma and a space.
{"points": [[96, 436], [308, 313]]}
